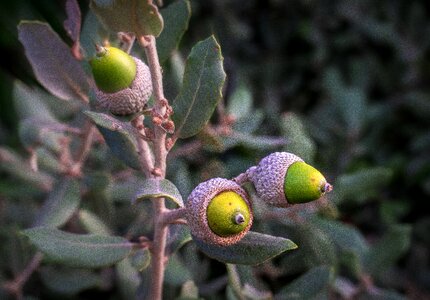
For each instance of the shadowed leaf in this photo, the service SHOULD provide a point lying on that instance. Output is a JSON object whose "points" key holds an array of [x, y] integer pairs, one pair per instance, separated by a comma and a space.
{"points": [[176, 17], [139, 17], [255, 248], [73, 22], [118, 136], [67, 281], [53, 64], [308, 286], [62, 202]]}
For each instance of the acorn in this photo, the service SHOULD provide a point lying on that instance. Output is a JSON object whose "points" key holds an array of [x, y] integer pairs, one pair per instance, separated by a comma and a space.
{"points": [[282, 179], [219, 212], [123, 81]]}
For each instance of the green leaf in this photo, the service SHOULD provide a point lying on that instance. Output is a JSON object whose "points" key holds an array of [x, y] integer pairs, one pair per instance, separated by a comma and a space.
{"points": [[381, 294], [361, 185], [250, 122], [156, 188], [176, 271], [124, 190], [345, 237], [189, 291], [388, 250], [29, 102], [62, 202], [308, 286], [52, 61], [349, 101], [299, 141], [79, 250], [92, 33], [252, 293], [178, 236], [240, 103], [13, 164], [127, 278], [201, 88], [72, 24], [176, 17], [118, 136], [67, 281], [139, 17], [36, 132], [251, 141], [92, 223], [141, 259], [255, 248]]}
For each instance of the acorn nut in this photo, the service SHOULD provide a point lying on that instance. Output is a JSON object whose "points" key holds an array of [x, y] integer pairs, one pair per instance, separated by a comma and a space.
{"points": [[282, 179], [219, 212], [123, 81]]}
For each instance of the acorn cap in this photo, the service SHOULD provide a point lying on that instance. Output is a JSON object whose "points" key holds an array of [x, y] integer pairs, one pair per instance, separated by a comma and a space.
{"points": [[197, 211], [131, 99], [268, 177]]}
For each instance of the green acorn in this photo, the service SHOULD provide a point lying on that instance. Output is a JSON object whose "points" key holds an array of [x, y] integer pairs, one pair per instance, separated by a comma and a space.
{"points": [[219, 212], [282, 179], [123, 81]]}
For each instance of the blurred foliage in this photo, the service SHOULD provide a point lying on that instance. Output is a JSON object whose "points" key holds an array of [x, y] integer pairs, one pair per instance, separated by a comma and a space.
{"points": [[344, 84]]}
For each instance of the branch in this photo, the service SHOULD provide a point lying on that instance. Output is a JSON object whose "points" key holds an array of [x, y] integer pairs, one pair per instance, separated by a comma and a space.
{"points": [[15, 286]]}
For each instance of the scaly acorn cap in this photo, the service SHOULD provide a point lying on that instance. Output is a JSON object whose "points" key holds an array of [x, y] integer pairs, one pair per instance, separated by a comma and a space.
{"points": [[123, 82], [282, 179], [219, 212]]}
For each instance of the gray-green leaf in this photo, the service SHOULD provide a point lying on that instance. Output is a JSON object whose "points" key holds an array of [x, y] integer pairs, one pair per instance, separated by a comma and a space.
{"points": [[118, 136], [53, 64], [139, 17], [156, 188], [201, 88], [388, 250], [176, 17], [299, 141], [308, 286], [79, 250], [255, 248], [69, 281], [92, 223], [62, 202]]}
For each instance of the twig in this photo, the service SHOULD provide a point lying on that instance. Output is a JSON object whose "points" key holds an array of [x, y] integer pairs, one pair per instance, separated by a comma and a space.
{"points": [[172, 216], [160, 151], [15, 286], [159, 171], [127, 41], [187, 149], [33, 160], [145, 155], [241, 178], [84, 149]]}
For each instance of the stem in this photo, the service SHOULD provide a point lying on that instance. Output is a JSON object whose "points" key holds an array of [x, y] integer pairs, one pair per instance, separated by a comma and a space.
{"points": [[173, 216], [145, 156], [15, 286], [84, 149], [160, 152], [241, 178]]}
